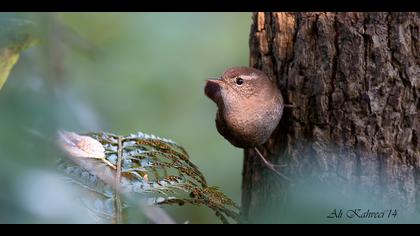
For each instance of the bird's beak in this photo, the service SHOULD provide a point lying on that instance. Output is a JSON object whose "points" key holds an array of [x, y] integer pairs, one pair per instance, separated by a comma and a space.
{"points": [[212, 89]]}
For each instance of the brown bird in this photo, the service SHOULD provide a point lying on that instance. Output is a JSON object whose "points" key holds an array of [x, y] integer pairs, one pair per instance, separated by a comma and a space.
{"points": [[250, 107]]}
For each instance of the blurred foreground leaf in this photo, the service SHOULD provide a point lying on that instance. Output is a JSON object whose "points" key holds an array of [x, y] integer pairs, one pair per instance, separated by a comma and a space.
{"points": [[15, 36], [155, 170]]}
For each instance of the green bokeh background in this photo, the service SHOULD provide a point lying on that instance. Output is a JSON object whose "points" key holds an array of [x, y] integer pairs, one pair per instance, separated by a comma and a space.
{"points": [[122, 73]]}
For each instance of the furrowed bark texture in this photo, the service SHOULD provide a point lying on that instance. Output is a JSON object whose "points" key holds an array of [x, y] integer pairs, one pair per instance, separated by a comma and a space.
{"points": [[354, 81]]}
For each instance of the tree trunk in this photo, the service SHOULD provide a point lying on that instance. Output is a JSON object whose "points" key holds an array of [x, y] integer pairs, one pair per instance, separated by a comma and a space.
{"points": [[351, 139]]}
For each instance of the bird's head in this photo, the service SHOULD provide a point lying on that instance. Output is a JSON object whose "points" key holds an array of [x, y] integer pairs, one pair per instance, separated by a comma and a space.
{"points": [[239, 86]]}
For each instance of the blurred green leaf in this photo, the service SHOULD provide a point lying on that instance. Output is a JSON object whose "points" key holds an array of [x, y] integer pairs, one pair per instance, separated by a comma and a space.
{"points": [[15, 36], [8, 59]]}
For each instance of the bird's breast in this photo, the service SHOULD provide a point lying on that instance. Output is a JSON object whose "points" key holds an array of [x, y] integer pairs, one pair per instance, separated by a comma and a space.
{"points": [[243, 130]]}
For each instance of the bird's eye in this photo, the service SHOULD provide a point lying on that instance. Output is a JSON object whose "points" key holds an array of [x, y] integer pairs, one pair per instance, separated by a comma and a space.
{"points": [[239, 81]]}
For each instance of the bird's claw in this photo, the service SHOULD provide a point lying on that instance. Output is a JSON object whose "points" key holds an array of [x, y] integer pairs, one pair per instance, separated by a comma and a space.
{"points": [[272, 166]]}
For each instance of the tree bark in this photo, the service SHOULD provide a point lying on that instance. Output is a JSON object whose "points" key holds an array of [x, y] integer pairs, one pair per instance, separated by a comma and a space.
{"points": [[353, 79]]}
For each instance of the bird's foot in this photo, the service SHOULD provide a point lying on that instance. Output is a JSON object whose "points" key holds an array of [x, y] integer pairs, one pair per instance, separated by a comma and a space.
{"points": [[272, 166], [277, 165], [289, 105]]}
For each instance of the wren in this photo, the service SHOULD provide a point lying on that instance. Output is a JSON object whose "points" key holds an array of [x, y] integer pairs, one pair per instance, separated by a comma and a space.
{"points": [[250, 107]]}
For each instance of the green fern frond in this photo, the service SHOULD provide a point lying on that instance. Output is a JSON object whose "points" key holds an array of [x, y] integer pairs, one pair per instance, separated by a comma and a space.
{"points": [[155, 169]]}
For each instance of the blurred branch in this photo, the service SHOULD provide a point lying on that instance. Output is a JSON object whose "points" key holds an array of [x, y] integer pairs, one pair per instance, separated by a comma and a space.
{"points": [[56, 67], [118, 204], [61, 40]]}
